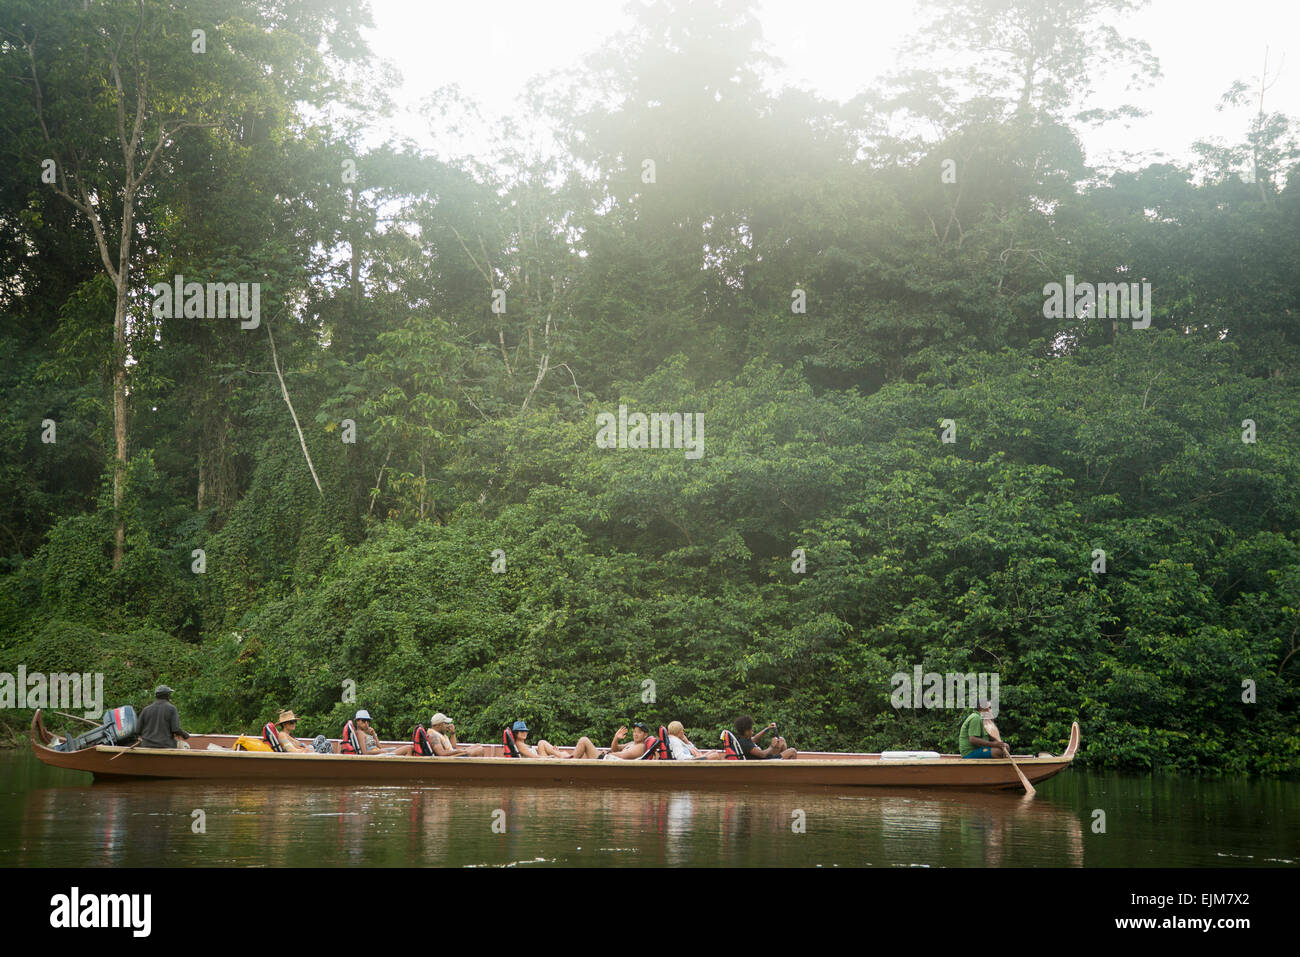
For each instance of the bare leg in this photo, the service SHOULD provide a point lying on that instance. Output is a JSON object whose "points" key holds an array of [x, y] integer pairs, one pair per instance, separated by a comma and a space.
{"points": [[585, 749], [547, 750], [780, 747]]}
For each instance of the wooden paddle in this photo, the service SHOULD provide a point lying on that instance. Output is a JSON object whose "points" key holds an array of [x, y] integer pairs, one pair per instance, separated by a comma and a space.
{"points": [[991, 730], [131, 748], [64, 714]]}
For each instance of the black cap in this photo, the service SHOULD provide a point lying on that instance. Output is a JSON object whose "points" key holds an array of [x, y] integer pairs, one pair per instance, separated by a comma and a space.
{"points": [[642, 725], [163, 692]]}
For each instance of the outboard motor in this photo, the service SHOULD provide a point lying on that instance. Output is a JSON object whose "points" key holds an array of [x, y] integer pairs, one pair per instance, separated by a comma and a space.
{"points": [[118, 728]]}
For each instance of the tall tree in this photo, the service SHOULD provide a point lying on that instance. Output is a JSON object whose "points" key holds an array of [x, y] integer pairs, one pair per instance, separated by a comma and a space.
{"points": [[114, 86], [1039, 56]]}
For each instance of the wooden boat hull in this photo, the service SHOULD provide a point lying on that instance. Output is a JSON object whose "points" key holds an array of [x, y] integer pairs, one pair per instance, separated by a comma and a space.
{"points": [[808, 770]]}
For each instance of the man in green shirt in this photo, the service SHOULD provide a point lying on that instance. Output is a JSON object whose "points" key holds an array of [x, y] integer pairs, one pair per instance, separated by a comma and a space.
{"points": [[971, 742]]}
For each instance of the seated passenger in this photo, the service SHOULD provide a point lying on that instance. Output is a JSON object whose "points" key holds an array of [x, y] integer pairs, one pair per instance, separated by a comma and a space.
{"points": [[683, 750], [366, 740], [751, 751], [642, 742], [519, 735], [442, 738], [284, 727]]}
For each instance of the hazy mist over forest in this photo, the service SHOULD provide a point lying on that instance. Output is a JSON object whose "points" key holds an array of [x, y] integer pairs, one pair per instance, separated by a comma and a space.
{"points": [[761, 390]]}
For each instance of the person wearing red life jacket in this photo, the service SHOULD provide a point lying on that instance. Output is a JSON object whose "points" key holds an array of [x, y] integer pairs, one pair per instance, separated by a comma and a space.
{"points": [[585, 748], [641, 740], [368, 740], [519, 734], [682, 748], [751, 751], [442, 738], [285, 725]]}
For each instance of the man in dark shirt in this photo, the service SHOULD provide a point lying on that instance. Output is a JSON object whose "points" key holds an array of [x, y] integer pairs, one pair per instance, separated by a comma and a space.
{"points": [[751, 751], [160, 722]]}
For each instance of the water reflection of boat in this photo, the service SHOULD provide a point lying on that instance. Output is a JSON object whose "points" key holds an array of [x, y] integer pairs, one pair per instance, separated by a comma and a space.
{"points": [[106, 830], [812, 769], [141, 822]]}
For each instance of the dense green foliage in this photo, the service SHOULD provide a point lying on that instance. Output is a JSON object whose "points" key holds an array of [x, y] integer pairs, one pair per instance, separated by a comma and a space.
{"points": [[822, 430]]}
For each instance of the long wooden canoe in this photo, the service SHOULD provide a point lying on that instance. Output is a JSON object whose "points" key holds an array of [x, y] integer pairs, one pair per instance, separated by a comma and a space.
{"points": [[811, 768]]}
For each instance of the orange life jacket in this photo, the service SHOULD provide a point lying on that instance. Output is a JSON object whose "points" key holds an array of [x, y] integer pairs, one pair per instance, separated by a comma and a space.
{"points": [[654, 748], [731, 747], [508, 747], [350, 744], [420, 741], [664, 752]]}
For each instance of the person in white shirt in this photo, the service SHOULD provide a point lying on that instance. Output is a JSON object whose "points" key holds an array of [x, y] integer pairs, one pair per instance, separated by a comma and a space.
{"points": [[681, 747]]}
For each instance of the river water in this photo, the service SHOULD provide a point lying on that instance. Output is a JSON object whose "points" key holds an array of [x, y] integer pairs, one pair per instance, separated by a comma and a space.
{"points": [[50, 817]]}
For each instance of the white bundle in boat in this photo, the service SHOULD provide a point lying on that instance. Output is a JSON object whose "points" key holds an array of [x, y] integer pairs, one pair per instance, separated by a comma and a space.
{"points": [[907, 755]]}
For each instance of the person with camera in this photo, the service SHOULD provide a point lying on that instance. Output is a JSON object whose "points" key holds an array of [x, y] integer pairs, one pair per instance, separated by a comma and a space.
{"points": [[749, 749]]}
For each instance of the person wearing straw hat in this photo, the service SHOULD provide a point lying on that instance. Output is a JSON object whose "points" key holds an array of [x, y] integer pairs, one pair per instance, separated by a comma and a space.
{"points": [[284, 728]]}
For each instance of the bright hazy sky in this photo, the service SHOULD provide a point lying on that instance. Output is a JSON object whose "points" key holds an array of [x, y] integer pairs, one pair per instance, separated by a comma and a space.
{"points": [[836, 47]]}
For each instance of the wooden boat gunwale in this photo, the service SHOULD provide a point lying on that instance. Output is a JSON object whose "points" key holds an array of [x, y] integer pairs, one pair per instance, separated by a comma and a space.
{"points": [[810, 768]]}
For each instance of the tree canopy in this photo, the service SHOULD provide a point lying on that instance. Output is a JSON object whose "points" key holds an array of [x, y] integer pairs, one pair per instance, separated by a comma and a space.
{"points": [[907, 459]]}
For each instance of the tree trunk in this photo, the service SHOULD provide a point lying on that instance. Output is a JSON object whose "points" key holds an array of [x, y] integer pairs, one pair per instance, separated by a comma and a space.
{"points": [[284, 390], [119, 410]]}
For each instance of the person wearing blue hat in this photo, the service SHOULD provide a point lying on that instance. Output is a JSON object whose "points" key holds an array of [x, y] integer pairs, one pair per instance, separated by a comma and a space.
{"points": [[583, 749], [586, 749], [368, 739], [520, 732]]}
